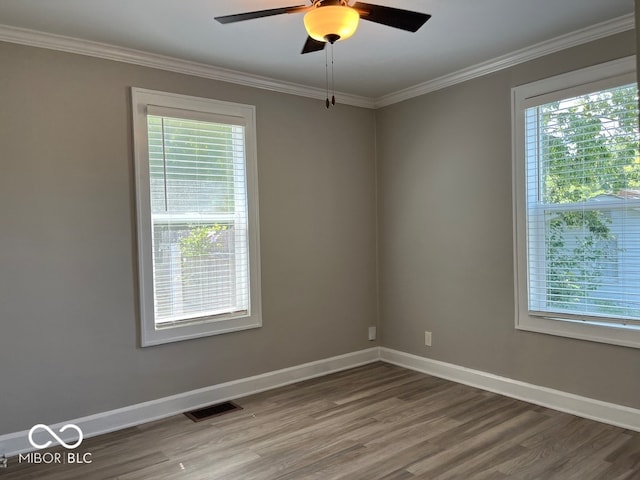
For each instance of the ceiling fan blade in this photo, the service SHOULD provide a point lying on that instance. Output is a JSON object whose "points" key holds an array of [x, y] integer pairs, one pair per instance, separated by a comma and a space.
{"points": [[392, 17], [313, 45], [240, 17]]}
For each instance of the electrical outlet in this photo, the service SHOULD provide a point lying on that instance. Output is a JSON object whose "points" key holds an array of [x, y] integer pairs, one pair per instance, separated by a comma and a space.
{"points": [[427, 339], [372, 333]]}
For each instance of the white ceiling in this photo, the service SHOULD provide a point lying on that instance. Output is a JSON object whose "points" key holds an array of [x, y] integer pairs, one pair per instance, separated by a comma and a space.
{"points": [[376, 61]]}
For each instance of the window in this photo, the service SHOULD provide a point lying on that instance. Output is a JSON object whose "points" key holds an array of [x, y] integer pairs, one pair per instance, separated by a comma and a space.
{"points": [[196, 192], [577, 204]]}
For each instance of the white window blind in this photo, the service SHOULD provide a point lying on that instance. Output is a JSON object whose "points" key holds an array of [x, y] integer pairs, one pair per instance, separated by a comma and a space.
{"points": [[583, 206], [199, 217]]}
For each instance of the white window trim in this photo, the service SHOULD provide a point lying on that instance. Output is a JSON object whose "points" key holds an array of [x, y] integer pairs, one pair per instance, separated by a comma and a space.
{"points": [[547, 90], [149, 333]]}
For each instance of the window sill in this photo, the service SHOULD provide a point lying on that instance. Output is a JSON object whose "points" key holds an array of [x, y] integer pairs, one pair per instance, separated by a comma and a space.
{"points": [[628, 336], [177, 333]]}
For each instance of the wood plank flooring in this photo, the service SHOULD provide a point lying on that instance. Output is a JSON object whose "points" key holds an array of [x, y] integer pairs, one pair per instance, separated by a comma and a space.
{"points": [[376, 422]]}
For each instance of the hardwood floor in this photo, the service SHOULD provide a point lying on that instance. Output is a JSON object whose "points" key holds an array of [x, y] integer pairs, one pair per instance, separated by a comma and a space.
{"points": [[376, 422]]}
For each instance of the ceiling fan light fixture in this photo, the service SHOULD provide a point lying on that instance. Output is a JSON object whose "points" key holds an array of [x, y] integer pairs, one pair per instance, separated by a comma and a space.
{"points": [[331, 22]]}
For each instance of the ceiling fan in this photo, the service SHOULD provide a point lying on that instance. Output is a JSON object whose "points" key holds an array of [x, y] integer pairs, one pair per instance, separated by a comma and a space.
{"points": [[333, 20]]}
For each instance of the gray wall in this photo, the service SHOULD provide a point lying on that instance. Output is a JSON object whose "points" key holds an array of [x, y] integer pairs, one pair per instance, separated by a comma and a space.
{"points": [[69, 345], [445, 236]]}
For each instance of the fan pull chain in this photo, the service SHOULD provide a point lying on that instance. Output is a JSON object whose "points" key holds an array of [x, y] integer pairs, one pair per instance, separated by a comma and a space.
{"points": [[333, 81], [326, 73], [328, 102]]}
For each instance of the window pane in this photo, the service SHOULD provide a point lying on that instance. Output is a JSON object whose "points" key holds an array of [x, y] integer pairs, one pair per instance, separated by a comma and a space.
{"points": [[195, 271], [198, 211], [583, 197], [193, 165], [590, 266], [588, 145]]}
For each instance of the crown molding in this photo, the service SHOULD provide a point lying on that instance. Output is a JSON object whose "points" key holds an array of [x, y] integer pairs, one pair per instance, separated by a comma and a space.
{"points": [[578, 37], [50, 41], [62, 43]]}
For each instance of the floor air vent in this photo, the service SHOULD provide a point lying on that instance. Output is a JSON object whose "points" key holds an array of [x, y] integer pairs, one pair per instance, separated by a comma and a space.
{"points": [[212, 411]]}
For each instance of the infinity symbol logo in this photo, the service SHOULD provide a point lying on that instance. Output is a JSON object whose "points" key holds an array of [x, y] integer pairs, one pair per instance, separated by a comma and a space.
{"points": [[53, 434]]}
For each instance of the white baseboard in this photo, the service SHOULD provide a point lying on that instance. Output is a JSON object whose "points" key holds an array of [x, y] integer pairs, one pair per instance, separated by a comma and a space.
{"points": [[18, 442], [604, 412], [15, 443]]}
